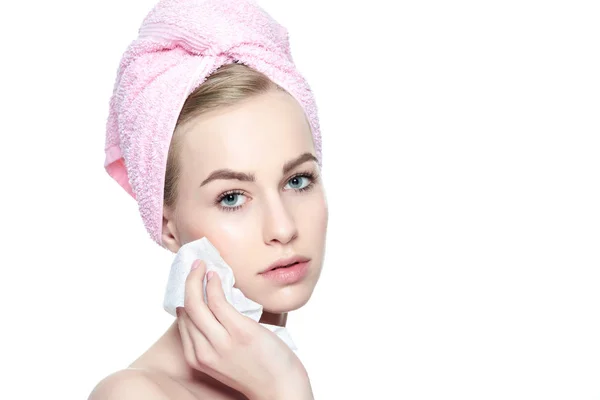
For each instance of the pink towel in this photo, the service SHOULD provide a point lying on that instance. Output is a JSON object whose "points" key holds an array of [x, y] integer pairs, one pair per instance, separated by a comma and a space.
{"points": [[180, 43]]}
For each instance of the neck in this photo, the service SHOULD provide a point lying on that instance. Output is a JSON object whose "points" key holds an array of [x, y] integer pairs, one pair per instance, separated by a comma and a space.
{"points": [[167, 353]]}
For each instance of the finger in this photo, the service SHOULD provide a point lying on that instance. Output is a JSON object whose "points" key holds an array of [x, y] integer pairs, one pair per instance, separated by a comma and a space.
{"points": [[196, 309], [198, 352], [225, 313], [197, 349], [186, 341]]}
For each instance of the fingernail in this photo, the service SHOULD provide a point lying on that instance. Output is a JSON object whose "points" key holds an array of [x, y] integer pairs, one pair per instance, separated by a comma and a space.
{"points": [[195, 264], [209, 275]]}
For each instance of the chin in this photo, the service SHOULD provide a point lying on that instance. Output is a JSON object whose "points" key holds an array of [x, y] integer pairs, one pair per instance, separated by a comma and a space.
{"points": [[287, 299]]}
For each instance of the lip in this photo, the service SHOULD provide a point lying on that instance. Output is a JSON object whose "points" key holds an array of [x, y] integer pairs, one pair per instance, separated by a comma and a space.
{"points": [[287, 275], [284, 262]]}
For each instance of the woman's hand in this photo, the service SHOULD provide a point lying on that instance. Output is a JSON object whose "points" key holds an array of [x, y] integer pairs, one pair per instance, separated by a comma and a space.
{"points": [[233, 348]]}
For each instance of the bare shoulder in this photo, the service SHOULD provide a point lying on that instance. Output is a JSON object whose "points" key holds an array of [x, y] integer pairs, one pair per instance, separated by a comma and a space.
{"points": [[128, 384]]}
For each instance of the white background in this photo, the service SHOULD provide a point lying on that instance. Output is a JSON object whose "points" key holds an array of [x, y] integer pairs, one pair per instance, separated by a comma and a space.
{"points": [[461, 159]]}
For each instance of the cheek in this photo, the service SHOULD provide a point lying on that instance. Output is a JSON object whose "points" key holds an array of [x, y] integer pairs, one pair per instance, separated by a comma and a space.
{"points": [[233, 236], [317, 224], [324, 215], [233, 240], [197, 219]]}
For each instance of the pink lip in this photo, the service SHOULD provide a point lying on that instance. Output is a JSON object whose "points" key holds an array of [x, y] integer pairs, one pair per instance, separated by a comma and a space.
{"points": [[284, 262], [288, 275]]}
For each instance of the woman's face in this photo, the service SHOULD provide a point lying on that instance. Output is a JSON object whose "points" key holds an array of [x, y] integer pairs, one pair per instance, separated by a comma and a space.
{"points": [[246, 185]]}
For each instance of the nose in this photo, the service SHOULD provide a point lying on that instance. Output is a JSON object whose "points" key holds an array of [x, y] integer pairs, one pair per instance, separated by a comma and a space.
{"points": [[279, 224]]}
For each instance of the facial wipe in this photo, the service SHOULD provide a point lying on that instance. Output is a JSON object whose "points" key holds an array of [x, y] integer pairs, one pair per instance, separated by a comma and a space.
{"points": [[204, 250]]}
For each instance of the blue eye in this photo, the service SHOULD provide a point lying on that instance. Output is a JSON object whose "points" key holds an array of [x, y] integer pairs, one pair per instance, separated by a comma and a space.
{"points": [[302, 181], [299, 182], [235, 199], [231, 200]]}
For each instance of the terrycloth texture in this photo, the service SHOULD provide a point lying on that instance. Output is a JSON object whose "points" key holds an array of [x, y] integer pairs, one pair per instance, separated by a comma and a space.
{"points": [[180, 43]]}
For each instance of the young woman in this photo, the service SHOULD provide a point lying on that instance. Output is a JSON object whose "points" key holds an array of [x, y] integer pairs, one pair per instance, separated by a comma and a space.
{"points": [[242, 171]]}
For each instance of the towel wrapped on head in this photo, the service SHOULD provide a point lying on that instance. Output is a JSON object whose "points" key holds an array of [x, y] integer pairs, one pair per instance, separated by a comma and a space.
{"points": [[180, 43]]}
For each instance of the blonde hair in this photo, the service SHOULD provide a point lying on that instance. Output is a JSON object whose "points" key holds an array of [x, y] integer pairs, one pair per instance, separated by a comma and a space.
{"points": [[228, 85]]}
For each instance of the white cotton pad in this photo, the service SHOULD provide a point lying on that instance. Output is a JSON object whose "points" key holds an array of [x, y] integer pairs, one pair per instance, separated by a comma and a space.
{"points": [[204, 250]]}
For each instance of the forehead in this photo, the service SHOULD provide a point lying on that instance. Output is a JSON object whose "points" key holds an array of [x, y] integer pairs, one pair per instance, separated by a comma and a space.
{"points": [[263, 131]]}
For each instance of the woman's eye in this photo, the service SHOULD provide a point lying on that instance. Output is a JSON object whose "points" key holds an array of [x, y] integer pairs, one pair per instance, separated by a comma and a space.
{"points": [[299, 182], [232, 200]]}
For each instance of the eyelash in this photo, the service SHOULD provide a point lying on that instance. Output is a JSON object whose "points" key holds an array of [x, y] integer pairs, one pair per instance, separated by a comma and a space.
{"points": [[307, 174]]}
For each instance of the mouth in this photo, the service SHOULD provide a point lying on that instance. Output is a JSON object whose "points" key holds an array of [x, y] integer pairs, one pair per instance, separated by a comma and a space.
{"points": [[287, 274], [285, 266], [285, 263]]}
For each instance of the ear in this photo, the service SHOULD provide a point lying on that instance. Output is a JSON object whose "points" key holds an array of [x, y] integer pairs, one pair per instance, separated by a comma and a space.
{"points": [[169, 235]]}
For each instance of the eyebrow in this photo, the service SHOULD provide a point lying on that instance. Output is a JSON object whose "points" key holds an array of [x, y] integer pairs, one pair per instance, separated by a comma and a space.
{"points": [[245, 177]]}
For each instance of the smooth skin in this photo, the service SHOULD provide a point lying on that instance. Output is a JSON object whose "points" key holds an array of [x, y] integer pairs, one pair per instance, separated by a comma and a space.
{"points": [[276, 208], [215, 333]]}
